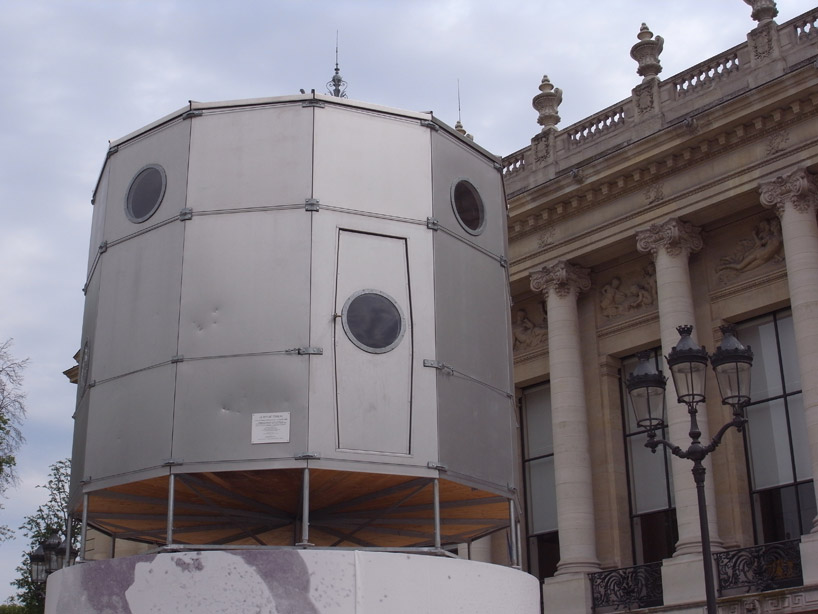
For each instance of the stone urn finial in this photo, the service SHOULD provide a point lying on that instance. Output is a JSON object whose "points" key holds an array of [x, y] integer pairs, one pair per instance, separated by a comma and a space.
{"points": [[646, 52], [546, 103], [763, 10]]}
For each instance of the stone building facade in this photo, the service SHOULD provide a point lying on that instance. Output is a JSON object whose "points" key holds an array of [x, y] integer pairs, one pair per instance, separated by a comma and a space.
{"points": [[692, 201]]}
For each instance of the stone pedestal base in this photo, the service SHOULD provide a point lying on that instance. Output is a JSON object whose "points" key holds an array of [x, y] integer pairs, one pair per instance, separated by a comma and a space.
{"points": [[302, 581], [567, 594], [809, 558], [683, 580]]}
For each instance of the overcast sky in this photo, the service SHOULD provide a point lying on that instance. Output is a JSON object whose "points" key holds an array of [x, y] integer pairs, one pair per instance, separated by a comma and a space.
{"points": [[74, 74]]}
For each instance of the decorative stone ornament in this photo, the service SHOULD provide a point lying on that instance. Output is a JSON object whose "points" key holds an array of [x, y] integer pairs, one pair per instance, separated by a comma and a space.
{"points": [[674, 235], [799, 189], [763, 10], [563, 278], [646, 52], [546, 103]]}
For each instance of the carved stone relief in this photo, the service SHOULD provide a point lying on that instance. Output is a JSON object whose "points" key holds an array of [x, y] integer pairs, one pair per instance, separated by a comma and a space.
{"points": [[630, 294], [525, 333], [655, 193], [778, 142], [545, 238], [762, 41], [643, 94], [766, 244], [542, 147]]}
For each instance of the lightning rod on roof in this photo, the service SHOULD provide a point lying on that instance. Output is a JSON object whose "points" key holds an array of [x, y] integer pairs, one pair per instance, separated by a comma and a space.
{"points": [[337, 86]]}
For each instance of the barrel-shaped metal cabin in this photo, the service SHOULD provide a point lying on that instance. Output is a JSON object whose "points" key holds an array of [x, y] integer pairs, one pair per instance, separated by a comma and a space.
{"points": [[296, 329]]}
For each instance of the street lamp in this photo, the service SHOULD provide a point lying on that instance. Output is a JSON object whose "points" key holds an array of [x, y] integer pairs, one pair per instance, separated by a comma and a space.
{"points": [[687, 362], [48, 557]]}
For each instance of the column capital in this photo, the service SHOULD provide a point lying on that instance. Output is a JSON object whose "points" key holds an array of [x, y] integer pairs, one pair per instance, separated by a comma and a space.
{"points": [[674, 235], [798, 190], [562, 277]]}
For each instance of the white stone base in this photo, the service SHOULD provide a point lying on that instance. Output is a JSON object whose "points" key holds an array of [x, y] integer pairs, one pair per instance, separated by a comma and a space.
{"points": [[683, 580], [809, 558], [567, 594], [290, 581]]}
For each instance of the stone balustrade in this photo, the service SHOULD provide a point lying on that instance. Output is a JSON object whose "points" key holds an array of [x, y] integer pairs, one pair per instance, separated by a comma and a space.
{"points": [[657, 104], [705, 74], [597, 125]]}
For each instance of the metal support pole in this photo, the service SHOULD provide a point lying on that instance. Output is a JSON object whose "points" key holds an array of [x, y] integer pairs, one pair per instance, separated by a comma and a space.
{"points": [[437, 514], [305, 509], [512, 528], [171, 489], [67, 558], [84, 527], [707, 557]]}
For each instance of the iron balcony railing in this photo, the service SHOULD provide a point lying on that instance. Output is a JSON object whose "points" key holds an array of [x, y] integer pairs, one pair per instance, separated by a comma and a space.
{"points": [[630, 588], [759, 568]]}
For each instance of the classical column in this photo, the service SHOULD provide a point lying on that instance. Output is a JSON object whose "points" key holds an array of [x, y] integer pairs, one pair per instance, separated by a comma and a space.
{"points": [[671, 244], [560, 285], [795, 199]]}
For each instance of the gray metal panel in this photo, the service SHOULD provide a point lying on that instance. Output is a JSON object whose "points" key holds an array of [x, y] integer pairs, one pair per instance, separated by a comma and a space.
{"points": [[476, 430], [374, 391], [138, 316], [216, 400], [78, 452], [246, 283], [167, 146], [323, 427], [88, 339], [472, 312], [372, 162], [98, 217], [452, 161], [251, 157], [130, 422]]}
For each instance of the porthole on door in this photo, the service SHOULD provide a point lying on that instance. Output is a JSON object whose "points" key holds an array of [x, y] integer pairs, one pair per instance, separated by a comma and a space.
{"points": [[373, 344], [373, 321]]}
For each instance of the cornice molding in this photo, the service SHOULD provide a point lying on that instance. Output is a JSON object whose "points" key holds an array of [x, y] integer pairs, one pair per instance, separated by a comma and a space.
{"points": [[685, 155]]}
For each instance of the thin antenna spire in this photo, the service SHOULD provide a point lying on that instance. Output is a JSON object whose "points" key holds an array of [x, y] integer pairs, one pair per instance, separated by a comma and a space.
{"points": [[458, 100], [337, 86], [459, 125]]}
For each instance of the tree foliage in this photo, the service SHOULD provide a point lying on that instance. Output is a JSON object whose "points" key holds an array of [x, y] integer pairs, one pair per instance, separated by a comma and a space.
{"points": [[51, 517], [12, 412]]}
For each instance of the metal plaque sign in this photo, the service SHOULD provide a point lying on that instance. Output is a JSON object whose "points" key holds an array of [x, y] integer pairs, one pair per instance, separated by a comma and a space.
{"points": [[271, 428]]}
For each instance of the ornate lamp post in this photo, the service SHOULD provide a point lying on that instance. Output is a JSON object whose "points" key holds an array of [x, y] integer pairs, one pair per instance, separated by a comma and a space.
{"points": [[48, 557], [732, 363]]}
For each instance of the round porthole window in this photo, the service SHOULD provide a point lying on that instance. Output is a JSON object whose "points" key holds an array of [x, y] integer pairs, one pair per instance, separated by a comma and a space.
{"points": [[373, 321], [468, 207], [145, 193]]}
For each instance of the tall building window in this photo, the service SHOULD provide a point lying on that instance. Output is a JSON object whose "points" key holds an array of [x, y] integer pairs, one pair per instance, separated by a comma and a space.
{"points": [[650, 487], [538, 467], [778, 459]]}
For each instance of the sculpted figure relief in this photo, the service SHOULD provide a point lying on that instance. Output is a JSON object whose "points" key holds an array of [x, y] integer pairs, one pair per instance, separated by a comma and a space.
{"points": [[526, 334], [765, 245], [641, 293]]}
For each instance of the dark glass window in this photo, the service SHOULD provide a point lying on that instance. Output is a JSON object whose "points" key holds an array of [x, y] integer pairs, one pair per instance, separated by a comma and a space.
{"points": [[650, 485], [145, 193], [778, 460], [373, 321], [540, 487], [468, 207]]}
